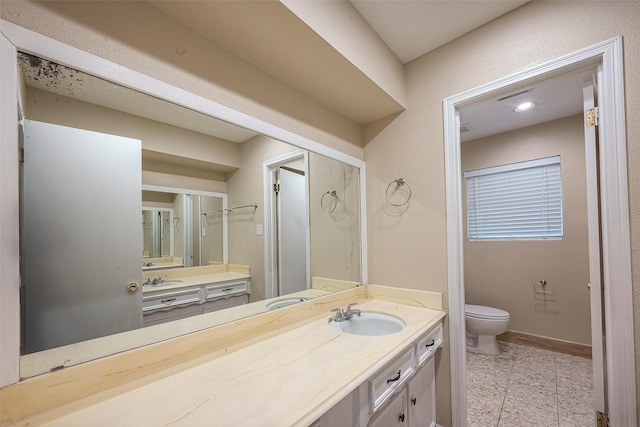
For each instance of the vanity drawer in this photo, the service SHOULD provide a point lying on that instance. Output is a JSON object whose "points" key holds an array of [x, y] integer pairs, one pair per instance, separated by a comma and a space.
{"points": [[222, 290], [390, 379], [170, 299], [428, 345]]}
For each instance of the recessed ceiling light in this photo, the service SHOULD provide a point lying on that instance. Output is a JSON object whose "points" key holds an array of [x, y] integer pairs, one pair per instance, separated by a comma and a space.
{"points": [[525, 106]]}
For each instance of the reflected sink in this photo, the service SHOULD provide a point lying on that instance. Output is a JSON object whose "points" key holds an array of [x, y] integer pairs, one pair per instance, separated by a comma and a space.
{"points": [[166, 283], [284, 303], [371, 324]]}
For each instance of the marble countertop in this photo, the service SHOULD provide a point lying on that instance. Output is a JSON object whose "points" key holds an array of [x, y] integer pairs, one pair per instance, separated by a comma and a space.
{"points": [[287, 379]]}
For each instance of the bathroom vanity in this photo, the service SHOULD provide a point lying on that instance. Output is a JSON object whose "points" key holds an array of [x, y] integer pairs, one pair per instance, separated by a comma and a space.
{"points": [[286, 367], [402, 393]]}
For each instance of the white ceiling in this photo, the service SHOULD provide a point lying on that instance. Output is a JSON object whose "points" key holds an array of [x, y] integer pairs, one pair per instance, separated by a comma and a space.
{"points": [[412, 28], [555, 98]]}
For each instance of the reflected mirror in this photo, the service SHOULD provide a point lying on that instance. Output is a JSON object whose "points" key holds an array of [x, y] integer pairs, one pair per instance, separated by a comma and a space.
{"points": [[215, 201], [190, 233]]}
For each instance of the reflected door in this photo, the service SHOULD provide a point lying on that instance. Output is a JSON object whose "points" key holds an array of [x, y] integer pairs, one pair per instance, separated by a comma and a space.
{"points": [[81, 235], [293, 226]]}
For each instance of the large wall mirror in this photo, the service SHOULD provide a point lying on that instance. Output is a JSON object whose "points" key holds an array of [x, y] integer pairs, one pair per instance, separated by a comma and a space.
{"points": [[187, 190]]}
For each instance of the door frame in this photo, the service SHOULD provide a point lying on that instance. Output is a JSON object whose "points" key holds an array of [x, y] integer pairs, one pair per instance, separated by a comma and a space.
{"points": [[270, 220], [616, 239]]}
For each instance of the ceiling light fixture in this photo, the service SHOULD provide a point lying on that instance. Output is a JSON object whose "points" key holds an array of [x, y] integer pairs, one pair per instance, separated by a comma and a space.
{"points": [[525, 106]]}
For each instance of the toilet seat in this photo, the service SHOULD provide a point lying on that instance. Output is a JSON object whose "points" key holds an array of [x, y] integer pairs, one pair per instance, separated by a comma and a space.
{"points": [[483, 312]]}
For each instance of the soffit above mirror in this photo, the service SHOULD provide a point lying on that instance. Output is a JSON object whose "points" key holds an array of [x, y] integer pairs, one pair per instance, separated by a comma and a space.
{"points": [[273, 38], [155, 161]]}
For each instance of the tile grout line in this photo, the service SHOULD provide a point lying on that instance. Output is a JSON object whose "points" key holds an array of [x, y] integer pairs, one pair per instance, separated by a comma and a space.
{"points": [[508, 384], [558, 367], [555, 372]]}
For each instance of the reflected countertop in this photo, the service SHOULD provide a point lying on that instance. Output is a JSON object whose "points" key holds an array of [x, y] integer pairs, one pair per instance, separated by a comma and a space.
{"points": [[150, 264], [198, 280], [196, 276]]}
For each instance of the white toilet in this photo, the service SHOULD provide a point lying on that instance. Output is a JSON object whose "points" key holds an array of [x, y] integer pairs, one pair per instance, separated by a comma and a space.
{"points": [[483, 325]]}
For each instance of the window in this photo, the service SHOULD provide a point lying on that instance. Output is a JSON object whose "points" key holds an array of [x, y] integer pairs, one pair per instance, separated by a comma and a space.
{"points": [[515, 201]]}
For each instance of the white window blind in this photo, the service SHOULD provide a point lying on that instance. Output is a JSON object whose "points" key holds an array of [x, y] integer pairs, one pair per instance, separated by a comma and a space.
{"points": [[515, 201]]}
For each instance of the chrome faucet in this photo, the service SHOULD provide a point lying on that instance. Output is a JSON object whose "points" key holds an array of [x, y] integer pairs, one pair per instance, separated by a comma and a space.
{"points": [[156, 281], [350, 312], [339, 317], [347, 314]]}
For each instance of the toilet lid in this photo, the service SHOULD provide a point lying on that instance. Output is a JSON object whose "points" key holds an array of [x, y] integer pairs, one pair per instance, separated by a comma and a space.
{"points": [[483, 312]]}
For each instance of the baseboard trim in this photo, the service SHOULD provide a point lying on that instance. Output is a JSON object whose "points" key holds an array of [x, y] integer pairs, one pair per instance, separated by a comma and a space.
{"points": [[566, 347]]}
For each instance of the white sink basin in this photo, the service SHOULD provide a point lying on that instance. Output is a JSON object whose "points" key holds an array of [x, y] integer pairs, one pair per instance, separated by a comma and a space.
{"points": [[166, 283], [372, 324], [284, 303]]}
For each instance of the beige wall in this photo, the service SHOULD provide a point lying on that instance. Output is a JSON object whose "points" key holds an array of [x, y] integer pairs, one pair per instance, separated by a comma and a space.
{"points": [[410, 250], [246, 187], [502, 273]]}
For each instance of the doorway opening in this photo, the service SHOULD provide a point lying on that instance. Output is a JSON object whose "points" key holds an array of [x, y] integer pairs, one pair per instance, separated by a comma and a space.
{"points": [[613, 204], [526, 252], [287, 242]]}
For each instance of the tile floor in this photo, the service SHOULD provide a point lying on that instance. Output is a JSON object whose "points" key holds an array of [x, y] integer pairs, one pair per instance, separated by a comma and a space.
{"points": [[526, 386]]}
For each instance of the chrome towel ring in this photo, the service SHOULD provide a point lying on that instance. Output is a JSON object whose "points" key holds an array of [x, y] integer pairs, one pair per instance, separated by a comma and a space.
{"points": [[400, 182], [334, 197]]}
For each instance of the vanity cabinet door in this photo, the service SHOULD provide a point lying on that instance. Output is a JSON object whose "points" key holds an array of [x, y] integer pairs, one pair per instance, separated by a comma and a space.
{"points": [[163, 316], [421, 393], [221, 304], [343, 414], [394, 414]]}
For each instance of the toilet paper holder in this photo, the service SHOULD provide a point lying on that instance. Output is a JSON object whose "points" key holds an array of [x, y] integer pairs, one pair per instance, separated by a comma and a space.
{"points": [[537, 290]]}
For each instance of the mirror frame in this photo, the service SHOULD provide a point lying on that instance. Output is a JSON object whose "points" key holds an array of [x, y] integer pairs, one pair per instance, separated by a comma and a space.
{"points": [[36, 44]]}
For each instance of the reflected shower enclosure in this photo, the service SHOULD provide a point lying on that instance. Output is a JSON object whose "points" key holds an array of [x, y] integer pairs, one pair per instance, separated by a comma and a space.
{"points": [[156, 233]]}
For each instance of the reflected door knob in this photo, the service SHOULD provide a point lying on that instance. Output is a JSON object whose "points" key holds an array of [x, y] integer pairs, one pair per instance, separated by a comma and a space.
{"points": [[132, 286]]}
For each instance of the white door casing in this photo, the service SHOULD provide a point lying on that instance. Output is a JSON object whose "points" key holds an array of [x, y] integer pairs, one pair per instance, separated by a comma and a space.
{"points": [[614, 210], [9, 222]]}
